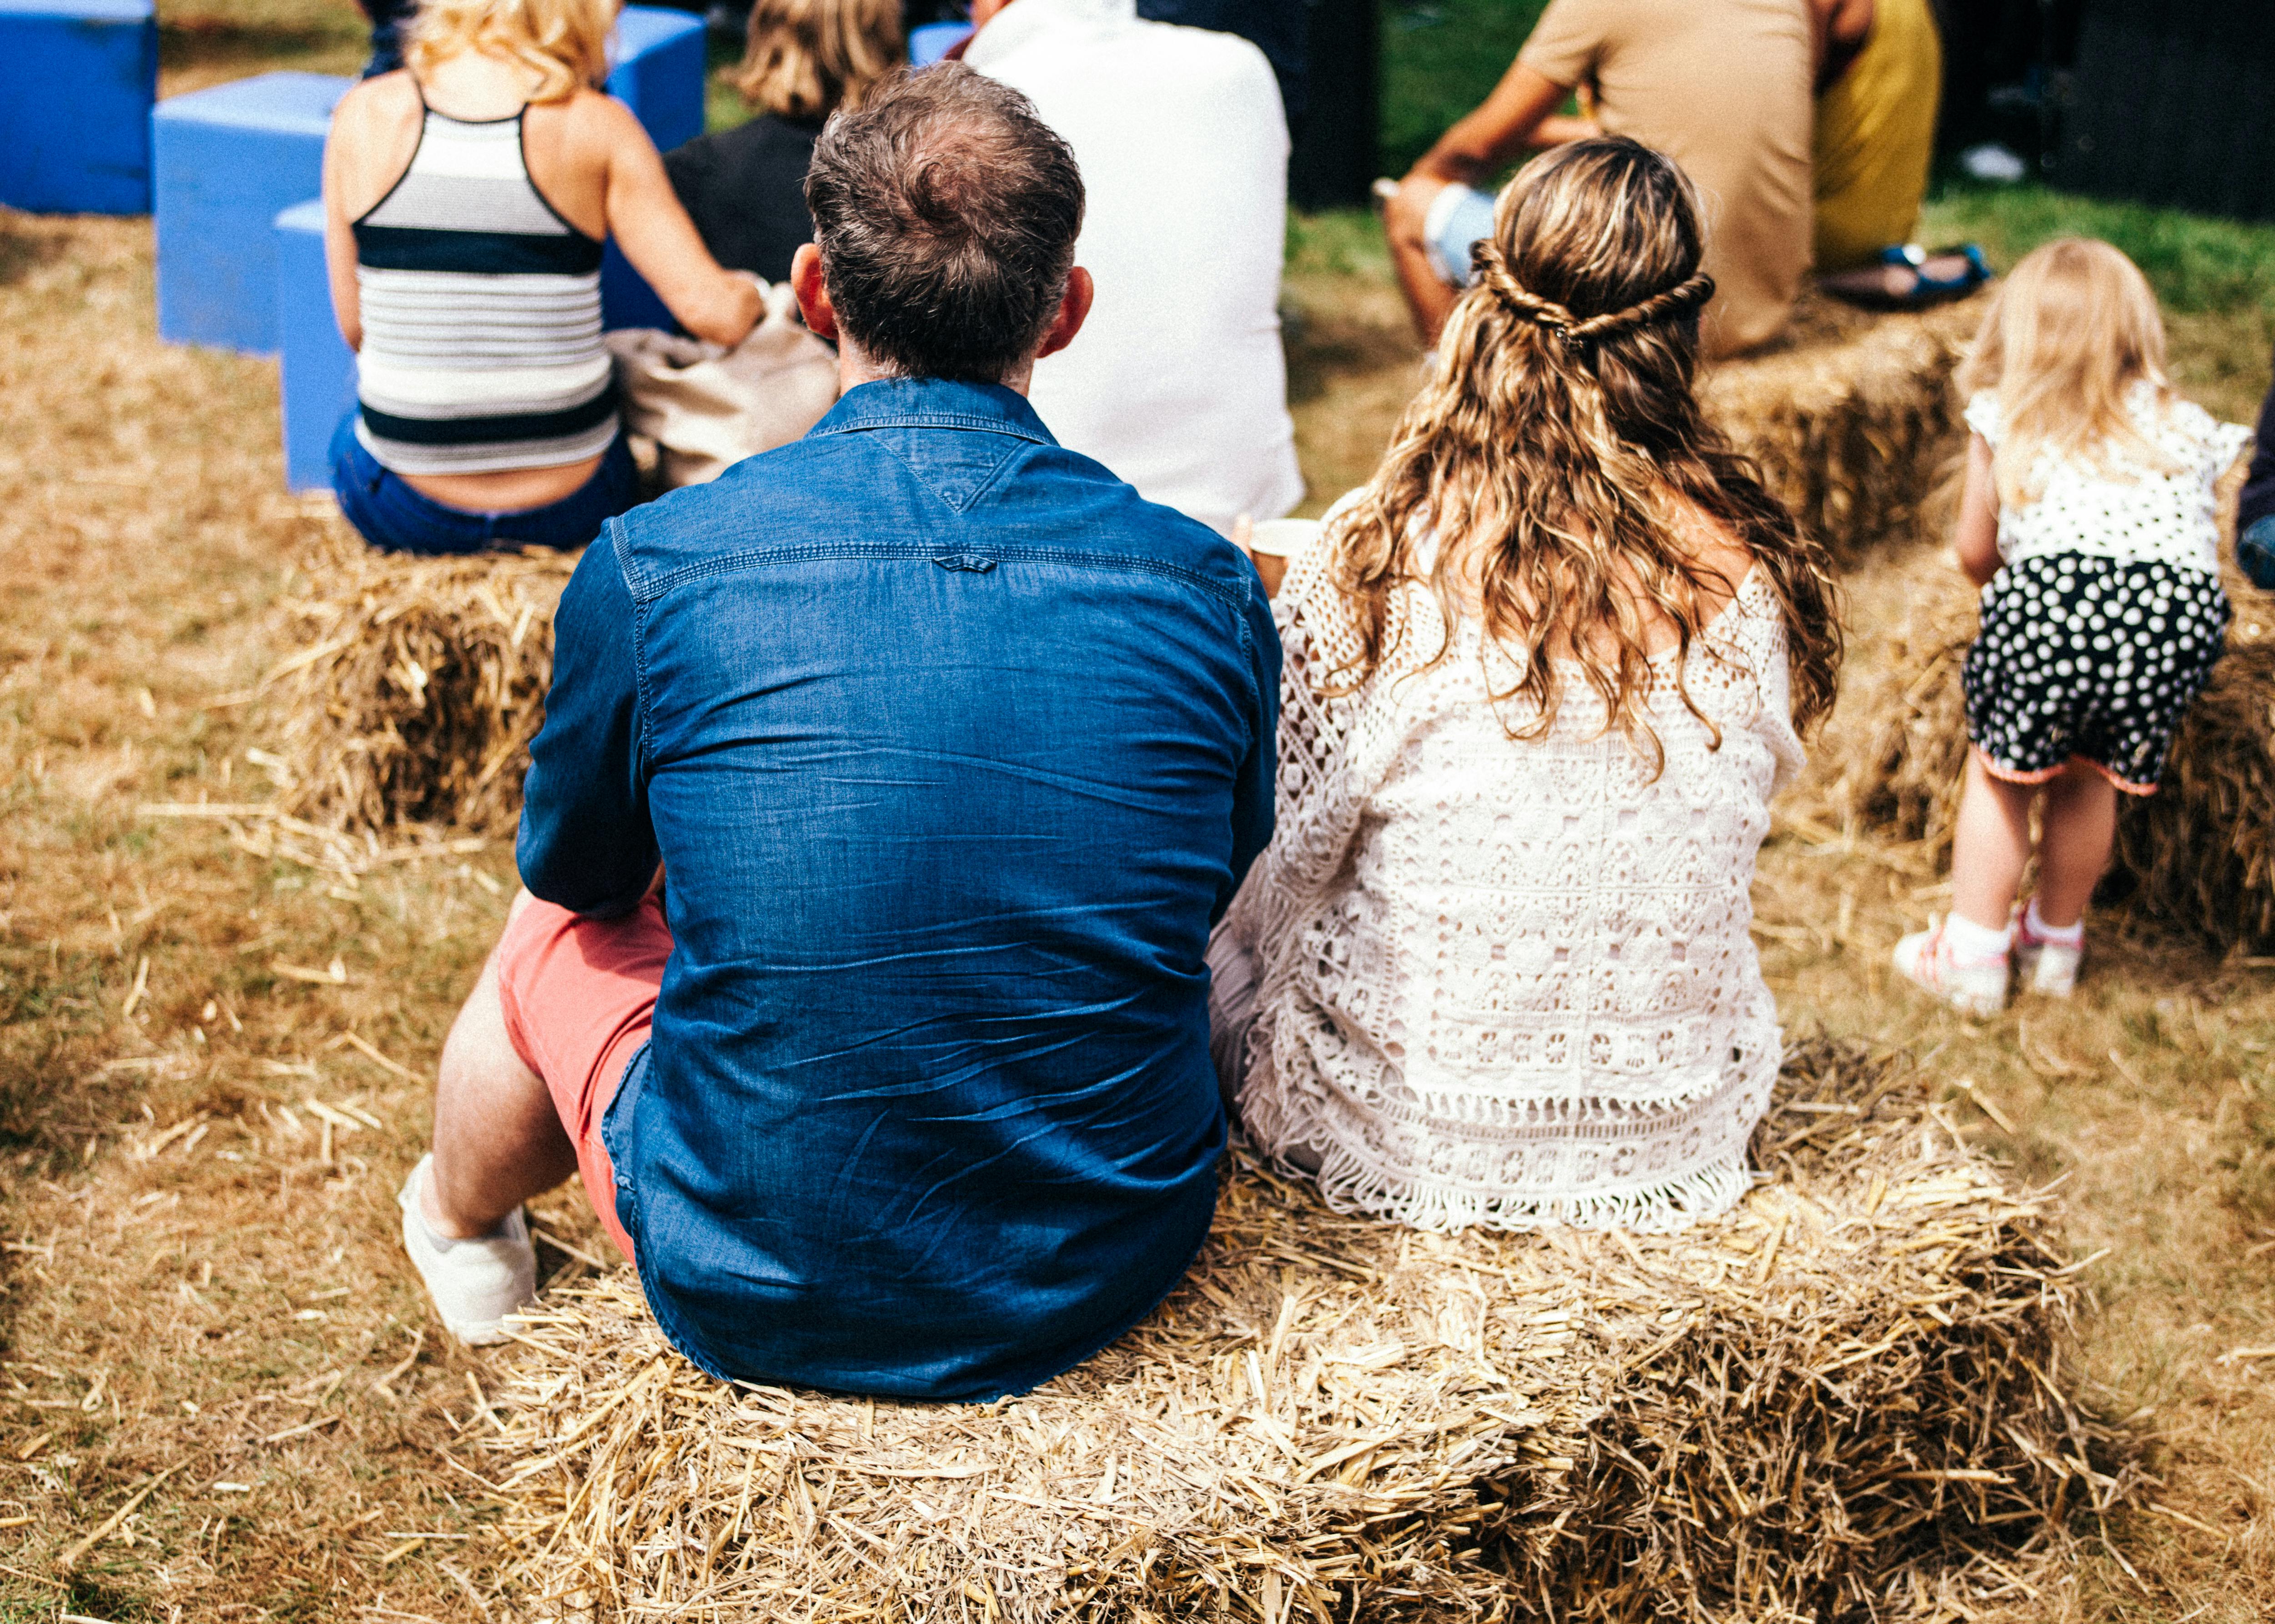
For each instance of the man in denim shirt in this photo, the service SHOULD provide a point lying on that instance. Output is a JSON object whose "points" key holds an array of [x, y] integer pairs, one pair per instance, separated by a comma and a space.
{"points": [[952, 748]]}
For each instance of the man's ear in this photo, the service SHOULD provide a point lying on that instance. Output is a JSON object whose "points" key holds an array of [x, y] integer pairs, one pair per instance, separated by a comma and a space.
{"points": [[1074, 310], [806, 281]]}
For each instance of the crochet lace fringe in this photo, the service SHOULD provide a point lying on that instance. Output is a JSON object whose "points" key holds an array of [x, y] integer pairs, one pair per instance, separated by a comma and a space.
{"points": [[1350, 1185]]}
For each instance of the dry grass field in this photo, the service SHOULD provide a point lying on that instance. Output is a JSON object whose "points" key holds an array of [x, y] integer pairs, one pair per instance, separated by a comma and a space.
{"points": [[223, 1396]]}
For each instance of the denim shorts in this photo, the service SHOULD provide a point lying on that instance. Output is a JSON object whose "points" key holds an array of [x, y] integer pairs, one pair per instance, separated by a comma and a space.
{"points": [[396, 518]]}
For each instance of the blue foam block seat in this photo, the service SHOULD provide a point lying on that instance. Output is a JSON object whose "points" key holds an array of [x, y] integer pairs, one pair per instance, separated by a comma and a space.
{"points": [[928, 43], [77, 78], [658, 72], [228, 161], [319, 368]]}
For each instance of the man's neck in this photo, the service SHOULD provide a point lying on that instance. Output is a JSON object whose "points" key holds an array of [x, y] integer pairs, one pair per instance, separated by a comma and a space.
{"points": [[855, 368]]}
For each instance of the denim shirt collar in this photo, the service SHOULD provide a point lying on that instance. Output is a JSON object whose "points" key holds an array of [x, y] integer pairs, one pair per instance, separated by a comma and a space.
{"points": [[935, 402]]}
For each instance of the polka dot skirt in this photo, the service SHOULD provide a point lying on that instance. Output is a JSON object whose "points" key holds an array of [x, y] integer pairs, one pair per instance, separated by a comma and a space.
{"points": [[2090, 657]]}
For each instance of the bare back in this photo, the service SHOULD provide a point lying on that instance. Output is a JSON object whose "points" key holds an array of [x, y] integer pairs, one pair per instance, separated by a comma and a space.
{"points": [[592, 168]]}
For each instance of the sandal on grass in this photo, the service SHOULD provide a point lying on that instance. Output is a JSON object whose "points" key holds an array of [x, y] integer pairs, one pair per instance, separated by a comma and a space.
{"points": [[1910, 277]]}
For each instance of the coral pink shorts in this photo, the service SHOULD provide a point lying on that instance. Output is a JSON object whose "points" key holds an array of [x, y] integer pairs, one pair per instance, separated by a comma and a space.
{"points": [[580, 997]]}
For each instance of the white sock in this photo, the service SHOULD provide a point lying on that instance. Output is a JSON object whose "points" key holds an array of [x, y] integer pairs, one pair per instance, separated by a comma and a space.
{"points": [[2067, 936], [1972, 943]]}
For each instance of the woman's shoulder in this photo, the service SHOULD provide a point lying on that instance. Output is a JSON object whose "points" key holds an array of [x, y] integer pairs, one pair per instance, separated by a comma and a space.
{"points": [[1716, 550], [382, 100], [595, 121], [755, 144]]}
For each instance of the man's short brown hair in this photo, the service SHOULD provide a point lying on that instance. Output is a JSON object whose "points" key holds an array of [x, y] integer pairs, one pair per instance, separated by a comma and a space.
{"points": [[946, 213]]}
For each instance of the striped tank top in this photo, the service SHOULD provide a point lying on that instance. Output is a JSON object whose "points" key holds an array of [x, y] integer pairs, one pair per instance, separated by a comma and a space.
{"points": [[482, 315]]}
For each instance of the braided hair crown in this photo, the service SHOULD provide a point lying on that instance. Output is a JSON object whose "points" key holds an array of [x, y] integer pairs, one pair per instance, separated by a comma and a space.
{"points": [[1577, 332]]}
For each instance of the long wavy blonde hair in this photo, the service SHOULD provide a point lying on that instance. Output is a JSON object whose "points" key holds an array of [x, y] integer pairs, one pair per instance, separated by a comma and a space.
{"points": [[2071, 329], [807, 58], [1558, 441], [564, 43]]}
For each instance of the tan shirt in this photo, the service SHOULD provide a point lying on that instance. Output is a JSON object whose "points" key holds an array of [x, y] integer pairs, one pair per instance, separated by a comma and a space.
{"points": [[1721, 87]]}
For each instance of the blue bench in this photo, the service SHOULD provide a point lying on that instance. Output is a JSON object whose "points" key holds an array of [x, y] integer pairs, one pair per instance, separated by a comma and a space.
{"points": [[77, 78], [659, 74], [227, 161]]}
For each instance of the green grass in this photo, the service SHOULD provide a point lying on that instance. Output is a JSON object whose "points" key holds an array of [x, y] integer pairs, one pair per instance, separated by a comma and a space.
{"points": [[1440, 58], [2196, 263], [1338, 242]]}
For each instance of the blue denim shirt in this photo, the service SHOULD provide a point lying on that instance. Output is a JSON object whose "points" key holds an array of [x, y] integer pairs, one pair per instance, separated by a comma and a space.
{"points": [[953, 748]]}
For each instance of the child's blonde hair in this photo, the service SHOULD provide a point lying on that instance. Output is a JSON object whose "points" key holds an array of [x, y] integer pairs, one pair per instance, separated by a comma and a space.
{"points": [[564, 42], [807, 58], [2070, 330]]}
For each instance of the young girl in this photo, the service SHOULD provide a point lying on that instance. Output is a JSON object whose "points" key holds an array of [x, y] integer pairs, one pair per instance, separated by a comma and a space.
{"points": [[1542, 677], [2088, 520], [466, 197]]}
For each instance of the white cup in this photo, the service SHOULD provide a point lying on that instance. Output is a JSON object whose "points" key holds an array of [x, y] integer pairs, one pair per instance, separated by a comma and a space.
{"points": [[1283, 538]]}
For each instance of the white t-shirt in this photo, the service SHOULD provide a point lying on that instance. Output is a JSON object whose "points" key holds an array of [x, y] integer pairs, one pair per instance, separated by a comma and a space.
{"points": [[1178, 382], [2140, 515]]}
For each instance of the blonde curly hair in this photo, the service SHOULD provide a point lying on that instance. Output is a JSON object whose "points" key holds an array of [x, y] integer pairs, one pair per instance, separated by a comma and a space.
{"points": [[564, 43], [1559, 444]]}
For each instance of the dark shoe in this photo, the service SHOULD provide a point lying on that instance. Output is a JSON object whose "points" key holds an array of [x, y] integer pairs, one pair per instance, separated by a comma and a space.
{"points": [[1903, 279], [2255, 553]]}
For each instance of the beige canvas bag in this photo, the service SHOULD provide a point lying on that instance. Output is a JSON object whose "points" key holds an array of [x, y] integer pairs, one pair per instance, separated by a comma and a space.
{"points": [[708, 408]]}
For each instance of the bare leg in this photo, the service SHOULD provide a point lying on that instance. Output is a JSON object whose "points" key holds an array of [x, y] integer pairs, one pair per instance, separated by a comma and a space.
{"points": [[498, 1140], [1990, 847], [2079, 827], [1428, 300]]}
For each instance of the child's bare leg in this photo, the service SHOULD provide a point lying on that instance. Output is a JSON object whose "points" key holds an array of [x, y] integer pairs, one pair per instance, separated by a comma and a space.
{"points": [[1990, 846], [2079, 828]]}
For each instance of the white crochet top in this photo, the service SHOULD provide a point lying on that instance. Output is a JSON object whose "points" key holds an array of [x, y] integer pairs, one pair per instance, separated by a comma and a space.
{"points": [[2126, 511], [1511, 983]]}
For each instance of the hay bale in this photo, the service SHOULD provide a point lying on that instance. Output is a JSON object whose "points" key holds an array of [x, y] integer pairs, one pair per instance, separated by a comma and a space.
{"points": [[1889, 761], [1851, 417], [1819, 1405], [416, 689], [2199, 855]]}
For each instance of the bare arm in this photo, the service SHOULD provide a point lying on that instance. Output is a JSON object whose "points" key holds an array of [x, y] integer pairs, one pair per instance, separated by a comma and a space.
{"points": [[1520, 113], [1427, 296], [374, 130], [339, 245], [1974, 539], [646, 218]]}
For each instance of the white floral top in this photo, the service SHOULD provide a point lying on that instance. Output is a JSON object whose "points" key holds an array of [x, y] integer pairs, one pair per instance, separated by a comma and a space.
{"points": [[2140, 515]]}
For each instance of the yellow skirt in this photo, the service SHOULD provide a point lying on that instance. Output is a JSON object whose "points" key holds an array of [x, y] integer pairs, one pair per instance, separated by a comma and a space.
{"points": [[1875, 136]]}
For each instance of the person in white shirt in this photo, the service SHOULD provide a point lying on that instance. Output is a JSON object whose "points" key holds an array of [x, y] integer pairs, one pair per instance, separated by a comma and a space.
{"points": [[1179, 385]]}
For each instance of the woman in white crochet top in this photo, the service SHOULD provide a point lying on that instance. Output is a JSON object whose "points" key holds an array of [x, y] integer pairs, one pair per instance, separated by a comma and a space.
{"points": [[1543, 675]]}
